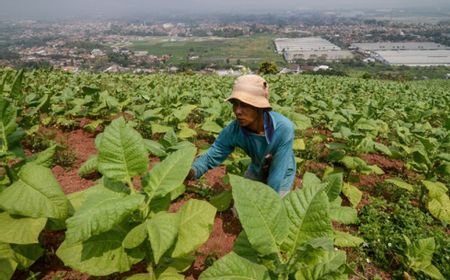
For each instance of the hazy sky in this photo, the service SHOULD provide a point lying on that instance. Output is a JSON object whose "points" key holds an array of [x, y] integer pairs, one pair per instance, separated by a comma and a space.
{"points": [[66, 8]]}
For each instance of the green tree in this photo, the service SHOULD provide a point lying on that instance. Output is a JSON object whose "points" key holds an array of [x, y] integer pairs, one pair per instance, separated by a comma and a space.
{"points": [[268, 67]]}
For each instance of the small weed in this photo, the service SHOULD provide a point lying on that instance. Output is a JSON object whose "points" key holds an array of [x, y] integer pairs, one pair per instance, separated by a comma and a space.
{"points": [[65, 157]]}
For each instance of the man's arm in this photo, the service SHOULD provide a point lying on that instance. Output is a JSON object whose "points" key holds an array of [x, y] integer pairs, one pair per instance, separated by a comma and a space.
{"points": [[217, 153]]}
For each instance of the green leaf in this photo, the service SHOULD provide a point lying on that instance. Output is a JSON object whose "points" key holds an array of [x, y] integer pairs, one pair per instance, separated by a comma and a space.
{"points": [[20, 230], [8, 113], [299, 145], [7, 268], [99, 213], [334, 185], [154, 148], [122, 153], [136, 236], [158, 128], [45, 158], [342, 214], [26, 254], [222, 201], [170, 173], [261, 212], [162, 231], [308, 217], [196, 221], [171, 274], [232, 267], [211, 126], [186, 132], [327, 265], [100, 255], [401, 184], [354, 163], [439, 207], [420, 254], [244, 249], [89, 166], [345, 239], [435, 189], [352, 193], [182, 113], [36, 194], [16, 88], [382, 148]]}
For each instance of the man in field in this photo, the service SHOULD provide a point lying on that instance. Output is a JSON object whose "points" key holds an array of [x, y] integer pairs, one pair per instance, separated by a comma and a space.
{"points": [[266, 136]]}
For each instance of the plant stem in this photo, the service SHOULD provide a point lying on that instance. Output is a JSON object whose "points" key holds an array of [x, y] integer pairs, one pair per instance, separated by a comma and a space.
{"points": [[131, 186]]}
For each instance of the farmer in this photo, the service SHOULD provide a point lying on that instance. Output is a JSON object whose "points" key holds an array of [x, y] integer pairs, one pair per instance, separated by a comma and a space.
{"points": [[265, 136]]}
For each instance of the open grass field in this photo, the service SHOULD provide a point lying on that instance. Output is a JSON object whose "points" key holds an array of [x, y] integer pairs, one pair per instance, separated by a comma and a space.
{"points": [[247, 50]]}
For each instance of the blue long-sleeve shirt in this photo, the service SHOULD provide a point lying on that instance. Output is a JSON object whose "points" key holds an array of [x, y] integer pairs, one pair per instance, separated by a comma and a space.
{"points": [[277, 141]]}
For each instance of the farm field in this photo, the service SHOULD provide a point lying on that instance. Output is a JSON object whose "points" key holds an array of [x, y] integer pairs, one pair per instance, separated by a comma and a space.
{"points": [[93, 167], [249, 50]]}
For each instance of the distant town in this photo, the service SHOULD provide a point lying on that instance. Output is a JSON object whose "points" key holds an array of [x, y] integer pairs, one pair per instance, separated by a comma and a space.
{"points": [[292, 42]]}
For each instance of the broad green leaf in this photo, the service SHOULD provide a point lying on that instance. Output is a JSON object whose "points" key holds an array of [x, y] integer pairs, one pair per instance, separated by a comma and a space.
{"points": [[439, 207], [89, 166], [232, 267], [309, 179], [222, 201], [170, 173], [299, 145], [342, 214], [435, 189], [8, 114], [420, 254], [211, 126], [182, 113], [334, 185], [20, 230], [345, 239], [142, 276], [100, 213], [375, 169], [162, 231], [401, 184], [100, 255], [261, 212], [352, 193], [154, 148], [26, 254], [122, 153], [326, 266], [382, 148], [16, 88], [158, 128], [171, 274], [244, 249], [136, 236], [186, 132], [7, 268], [36, 194], [308, 217], [196, 221], [353, 163], [45, 158]]}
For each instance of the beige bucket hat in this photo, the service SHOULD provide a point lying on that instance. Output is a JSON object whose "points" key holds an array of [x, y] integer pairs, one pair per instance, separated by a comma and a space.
{"points": [[251, 89]]}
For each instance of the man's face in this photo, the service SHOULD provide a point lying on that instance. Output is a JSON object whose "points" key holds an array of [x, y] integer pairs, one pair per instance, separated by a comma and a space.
{"points": [[245, 114]]}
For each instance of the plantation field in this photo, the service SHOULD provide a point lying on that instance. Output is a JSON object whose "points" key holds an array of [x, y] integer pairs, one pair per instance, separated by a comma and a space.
{"points": [[250, 50], [93, 166]]}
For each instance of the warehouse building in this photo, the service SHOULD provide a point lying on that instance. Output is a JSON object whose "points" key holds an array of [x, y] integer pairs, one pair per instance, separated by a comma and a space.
{"points": [[294, 49]]}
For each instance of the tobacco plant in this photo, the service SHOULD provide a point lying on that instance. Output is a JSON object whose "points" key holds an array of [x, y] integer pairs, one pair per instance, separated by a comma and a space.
{"points": [[282, 238], [117, 224]]}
